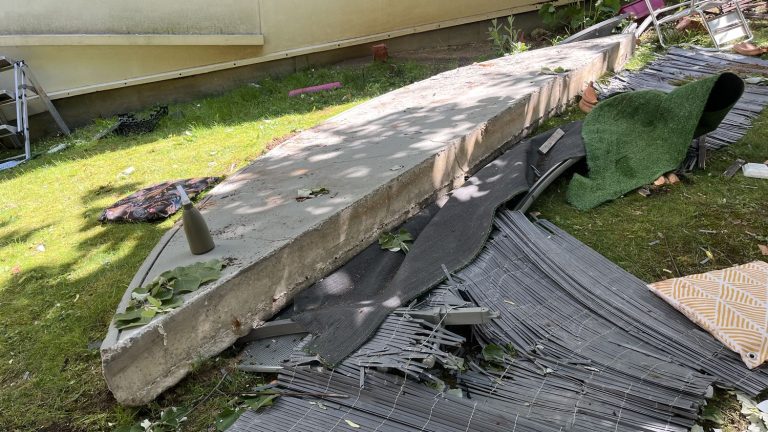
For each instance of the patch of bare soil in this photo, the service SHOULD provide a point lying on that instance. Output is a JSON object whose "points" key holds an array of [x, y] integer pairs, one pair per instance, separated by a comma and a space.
{"points": [[465, 54]]}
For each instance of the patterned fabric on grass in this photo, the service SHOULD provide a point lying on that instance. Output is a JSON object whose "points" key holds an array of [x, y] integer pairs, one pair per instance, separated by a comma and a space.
{"points": [[155, 202], [731, 304]]}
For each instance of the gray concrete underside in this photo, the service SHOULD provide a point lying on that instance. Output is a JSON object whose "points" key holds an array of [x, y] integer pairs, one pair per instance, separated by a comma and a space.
{"points": [[382, 161]]}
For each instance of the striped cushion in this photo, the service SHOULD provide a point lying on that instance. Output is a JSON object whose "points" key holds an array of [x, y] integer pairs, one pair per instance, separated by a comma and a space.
{"points": [[731, 304]]}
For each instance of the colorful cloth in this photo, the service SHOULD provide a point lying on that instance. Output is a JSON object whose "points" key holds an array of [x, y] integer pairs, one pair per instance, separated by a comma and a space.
{"points": [[155, 202], [731, 304]]}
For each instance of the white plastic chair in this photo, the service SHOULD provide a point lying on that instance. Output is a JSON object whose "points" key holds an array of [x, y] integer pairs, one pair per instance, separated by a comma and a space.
{"points": [[724, 28]]}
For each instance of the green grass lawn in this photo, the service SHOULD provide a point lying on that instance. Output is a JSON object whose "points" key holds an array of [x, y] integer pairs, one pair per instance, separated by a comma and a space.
{"points": [[706, 212], [62, 273], [672, 233]]}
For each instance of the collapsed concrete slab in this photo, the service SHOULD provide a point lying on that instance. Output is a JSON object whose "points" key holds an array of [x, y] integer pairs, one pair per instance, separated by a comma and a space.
{"points": [[381, 161]]}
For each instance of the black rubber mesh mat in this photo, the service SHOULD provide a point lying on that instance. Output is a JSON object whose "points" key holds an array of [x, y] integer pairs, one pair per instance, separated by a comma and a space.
{"points": [[595, 351], [453, 237], [385, 403], [561, 303], [360, 279], [367, 398]]}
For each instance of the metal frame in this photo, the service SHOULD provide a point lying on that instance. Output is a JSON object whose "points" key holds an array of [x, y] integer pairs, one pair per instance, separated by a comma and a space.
{"points": [[24, 81], [697, 7], [742, 22]]}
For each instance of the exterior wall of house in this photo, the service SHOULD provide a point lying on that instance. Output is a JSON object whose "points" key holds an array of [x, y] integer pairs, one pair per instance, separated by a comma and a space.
{"points": [[78, 47], [26, 17]]}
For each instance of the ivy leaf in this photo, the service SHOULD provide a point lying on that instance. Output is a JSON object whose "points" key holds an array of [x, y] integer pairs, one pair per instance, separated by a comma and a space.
{"points": [[227, 418], [493, 353], [172, 303], [142, 320], [395, 242], [206, 271], [167, 275], [155, 289], [712, 414], [154, 302], [148, 314], [143, 290], [305, 194], [139, 297], [185, 283], [128, 316], [256, 402], [164, 294]]}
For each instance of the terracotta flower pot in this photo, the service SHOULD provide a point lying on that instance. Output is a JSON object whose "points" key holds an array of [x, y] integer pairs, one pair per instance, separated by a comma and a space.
{"points": [[749, 49], [380, 53], [588, 98]]}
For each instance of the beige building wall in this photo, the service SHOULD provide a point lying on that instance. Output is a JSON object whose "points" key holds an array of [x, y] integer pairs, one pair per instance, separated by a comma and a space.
{"points": [[83, 46], [23, 17]]}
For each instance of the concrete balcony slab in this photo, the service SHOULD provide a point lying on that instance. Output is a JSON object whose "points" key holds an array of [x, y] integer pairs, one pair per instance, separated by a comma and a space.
{"points": [[381, 161]]}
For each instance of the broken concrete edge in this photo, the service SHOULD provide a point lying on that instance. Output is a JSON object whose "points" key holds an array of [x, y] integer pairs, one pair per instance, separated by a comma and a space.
{"points": [[140, 367]]}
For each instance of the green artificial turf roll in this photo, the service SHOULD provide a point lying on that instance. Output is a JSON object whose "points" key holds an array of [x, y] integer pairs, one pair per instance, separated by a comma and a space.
{"points": [[633, 138]]}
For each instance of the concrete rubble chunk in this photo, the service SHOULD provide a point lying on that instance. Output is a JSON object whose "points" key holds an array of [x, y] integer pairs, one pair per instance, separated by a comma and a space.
{"points": [[437, 131]]}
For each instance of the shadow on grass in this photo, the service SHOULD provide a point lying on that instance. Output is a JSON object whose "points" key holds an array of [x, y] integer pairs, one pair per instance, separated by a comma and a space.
{"points": [[50, 313], [19, 236]]}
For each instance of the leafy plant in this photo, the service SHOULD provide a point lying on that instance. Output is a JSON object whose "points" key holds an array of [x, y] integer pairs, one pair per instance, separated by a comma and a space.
{"points": [[497, 354], [230, 415], [506, 39], [165, 292], [170, 421], [578, 16], [556, 39], [518, 47], [395, 242]]}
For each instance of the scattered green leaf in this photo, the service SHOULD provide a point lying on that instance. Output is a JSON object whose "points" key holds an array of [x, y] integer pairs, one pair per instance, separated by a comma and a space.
{"points": [[493, 353], [553, 71], [164, 293], [170, 420], [185, 284], [394, 242], [154, 302], [227, 418], [256, 402], [305, 194]]}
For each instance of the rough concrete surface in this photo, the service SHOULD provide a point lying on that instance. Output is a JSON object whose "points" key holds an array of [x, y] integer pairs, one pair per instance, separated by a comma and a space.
{"points": [[381, 161]]}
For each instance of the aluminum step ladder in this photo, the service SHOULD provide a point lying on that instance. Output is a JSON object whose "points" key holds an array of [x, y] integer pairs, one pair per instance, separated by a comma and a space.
{"points": [[25, 88], [724, 27]]}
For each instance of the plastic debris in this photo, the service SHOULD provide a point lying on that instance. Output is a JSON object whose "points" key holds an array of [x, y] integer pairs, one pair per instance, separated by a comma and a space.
{"points": [[755, 170], [315, 89]]}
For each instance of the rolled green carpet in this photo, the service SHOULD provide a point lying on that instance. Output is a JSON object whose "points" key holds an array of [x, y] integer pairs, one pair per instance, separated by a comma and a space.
{"points": [[633, 138]]}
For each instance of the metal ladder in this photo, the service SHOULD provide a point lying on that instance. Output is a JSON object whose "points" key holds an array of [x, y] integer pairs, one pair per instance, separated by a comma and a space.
{"points": [[723, 28], [25, 87]]}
